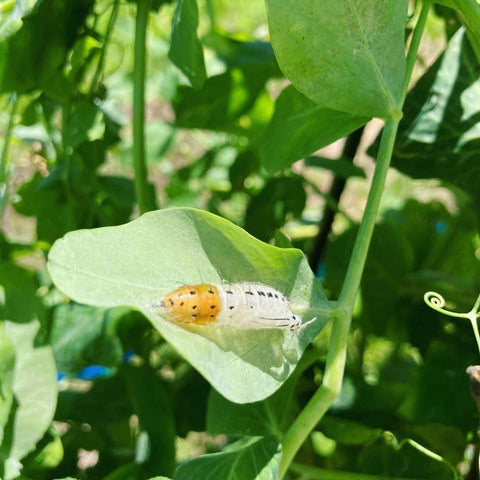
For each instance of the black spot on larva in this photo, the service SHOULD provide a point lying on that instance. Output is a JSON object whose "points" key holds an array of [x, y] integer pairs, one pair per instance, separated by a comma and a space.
{"points": [[211, 291], [182, 304], [262, 294], [251, 306], [192, 292], [212, 316], [194, 315], [284, 299], [171, 301], [249, 293], [231, 307], [194, 307], [212, 306], [270, 294], [230, 292], [275, 295]]}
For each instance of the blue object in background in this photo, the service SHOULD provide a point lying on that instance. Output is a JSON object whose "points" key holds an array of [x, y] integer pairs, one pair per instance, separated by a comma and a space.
{"points": [[95, 371], [441, 227]]}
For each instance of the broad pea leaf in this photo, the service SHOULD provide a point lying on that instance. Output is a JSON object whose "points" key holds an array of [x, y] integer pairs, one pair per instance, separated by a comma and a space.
{"points": [[138, 263], [344, 55], [249, 459], [439, 135], [186, 50], [32, 56], [35, 390], [299, 127]]}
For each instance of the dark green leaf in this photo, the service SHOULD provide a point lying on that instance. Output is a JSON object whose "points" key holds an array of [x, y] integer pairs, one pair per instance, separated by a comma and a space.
{"points": [[439, 135], [81, 336], [348, 56], [281, 198], [34, 55], [186, 50], [21, 303], [252, 459], [154, 410], [299, 127], [222, 100]]}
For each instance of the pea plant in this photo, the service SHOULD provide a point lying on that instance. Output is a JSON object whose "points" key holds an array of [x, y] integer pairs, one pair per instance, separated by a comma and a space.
{"points": [[151, 145]]}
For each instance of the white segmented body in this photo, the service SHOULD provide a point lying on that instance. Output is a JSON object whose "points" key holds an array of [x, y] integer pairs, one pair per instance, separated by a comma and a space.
{"points": [[254, 305]]}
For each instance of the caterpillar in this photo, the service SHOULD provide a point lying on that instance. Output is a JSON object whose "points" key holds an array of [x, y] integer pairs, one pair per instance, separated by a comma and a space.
{"points": [[240, 305]]}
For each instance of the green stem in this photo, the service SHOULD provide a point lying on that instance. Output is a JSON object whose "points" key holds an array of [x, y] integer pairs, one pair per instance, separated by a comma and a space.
{"points": [[5, 157], [144, 199], [99, 70], [341, 318]]}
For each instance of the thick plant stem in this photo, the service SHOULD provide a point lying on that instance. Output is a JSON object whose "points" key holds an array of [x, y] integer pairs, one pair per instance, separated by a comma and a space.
{"points": [[337, 350], [341, 317], [142, 190]]}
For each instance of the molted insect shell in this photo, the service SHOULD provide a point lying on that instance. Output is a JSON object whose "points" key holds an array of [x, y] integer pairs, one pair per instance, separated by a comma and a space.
{"points": [[240, 305]]}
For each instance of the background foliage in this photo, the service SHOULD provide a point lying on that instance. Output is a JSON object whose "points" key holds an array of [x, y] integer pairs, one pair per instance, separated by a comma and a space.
{"points": [[94, 392]]}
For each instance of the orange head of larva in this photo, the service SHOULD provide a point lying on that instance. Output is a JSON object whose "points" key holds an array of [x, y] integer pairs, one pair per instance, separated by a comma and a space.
{"points": [[198, 304]]}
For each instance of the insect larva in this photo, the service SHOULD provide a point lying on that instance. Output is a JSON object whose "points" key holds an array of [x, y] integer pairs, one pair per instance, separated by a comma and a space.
{"points": [[240, 305]]}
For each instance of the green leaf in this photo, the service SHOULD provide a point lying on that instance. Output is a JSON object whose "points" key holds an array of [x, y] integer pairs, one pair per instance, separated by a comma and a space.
{"points": [[348, 432], [86, 124], [439, 136], [299, 127], [344, 55], [469, 13], [341, 168], [33, 56], [12, 23], [222, 100], [81, 336], [7, 362], [249, 459], [186, 50], [280, 199], [138, 263], [271, 416], [35, 389], [154, 410], [21, 303]]}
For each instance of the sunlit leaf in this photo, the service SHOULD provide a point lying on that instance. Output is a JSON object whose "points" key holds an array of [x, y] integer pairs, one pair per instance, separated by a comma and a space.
{"points": [[299, 127], [138, 263], [344, 55]]}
